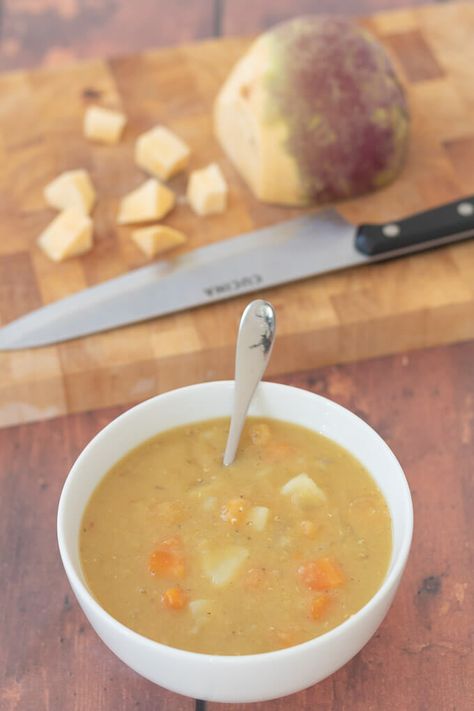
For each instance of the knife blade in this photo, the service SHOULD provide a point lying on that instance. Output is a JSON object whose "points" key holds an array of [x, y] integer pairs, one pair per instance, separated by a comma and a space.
{"points": [[313, 244]]}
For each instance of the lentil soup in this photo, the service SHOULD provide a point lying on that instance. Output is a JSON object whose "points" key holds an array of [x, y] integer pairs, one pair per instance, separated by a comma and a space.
{"points": [[285, 544]]}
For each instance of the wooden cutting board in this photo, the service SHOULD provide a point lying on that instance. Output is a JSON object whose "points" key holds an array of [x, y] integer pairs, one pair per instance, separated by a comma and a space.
{"points": [[418, 301]]}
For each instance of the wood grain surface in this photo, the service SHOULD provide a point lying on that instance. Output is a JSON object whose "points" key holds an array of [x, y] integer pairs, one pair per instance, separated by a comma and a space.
{"points": [[418, 301], [55, 32], [421, 657]]}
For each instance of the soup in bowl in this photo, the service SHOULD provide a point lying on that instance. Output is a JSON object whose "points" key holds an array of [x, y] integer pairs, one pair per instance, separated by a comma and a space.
{"points": [[239, 583]]}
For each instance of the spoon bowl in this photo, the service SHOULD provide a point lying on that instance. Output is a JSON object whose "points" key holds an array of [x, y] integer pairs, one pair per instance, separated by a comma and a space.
{"points": [[254, 346]]}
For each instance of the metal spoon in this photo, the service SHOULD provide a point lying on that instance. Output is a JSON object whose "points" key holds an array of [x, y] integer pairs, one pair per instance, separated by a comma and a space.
{"points": [[254, 346]]}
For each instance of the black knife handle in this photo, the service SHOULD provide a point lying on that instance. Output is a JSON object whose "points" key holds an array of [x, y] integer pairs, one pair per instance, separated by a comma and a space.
{"points": [[448, 223]]}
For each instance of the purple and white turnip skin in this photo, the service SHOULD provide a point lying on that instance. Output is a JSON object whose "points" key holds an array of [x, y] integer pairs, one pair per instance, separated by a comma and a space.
{"points": [[313, 112]]}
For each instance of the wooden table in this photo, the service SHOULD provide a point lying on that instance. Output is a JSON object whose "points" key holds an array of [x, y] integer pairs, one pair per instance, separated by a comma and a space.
{"points": [[422, 403]]}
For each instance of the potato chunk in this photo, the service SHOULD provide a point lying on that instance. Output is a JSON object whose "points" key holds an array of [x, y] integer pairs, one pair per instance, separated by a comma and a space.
{"points": [[151, 201], [201, 611], [303, 490], [221, 566], [207, 190], [258, 517], [157, 239], [68, 235], [103, 125], [161, 152], [72, 188]]}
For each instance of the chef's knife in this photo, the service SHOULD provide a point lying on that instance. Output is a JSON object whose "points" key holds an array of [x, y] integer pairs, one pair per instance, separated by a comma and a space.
{"points": [[314, 244]]}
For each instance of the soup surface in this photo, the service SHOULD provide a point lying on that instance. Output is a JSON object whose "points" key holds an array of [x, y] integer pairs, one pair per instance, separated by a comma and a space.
{"points": [[283, 545]]}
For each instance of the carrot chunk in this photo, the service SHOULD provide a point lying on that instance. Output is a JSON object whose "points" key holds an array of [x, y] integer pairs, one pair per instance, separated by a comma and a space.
{"points": [[319, 606], [167, 559], [322, 574], [174, 599]]}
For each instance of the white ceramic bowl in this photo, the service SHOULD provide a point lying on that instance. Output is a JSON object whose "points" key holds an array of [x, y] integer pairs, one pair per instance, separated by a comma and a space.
{"points": [[251, 677]]}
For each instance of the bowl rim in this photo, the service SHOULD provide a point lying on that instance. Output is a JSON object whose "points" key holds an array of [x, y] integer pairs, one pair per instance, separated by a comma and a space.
{"points": [[397, 564]]}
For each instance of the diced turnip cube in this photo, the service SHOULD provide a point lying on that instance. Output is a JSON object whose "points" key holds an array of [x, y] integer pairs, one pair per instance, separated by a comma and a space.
{"points": [[150, 201], [201, 611], [303, 490], [161, 152], [104, 125], [258, 517], [207, 190], [72, 188], [157, 239], [222, 565], [68, 235]]}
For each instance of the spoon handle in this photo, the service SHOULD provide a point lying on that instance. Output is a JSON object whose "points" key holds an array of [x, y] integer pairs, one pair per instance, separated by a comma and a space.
{"points": [[254, 346]]}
